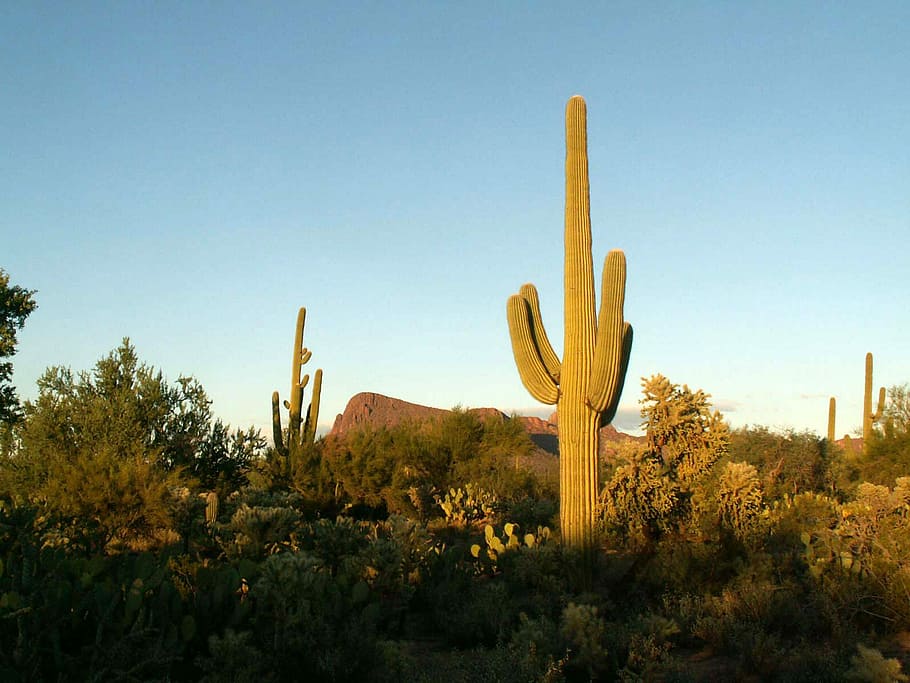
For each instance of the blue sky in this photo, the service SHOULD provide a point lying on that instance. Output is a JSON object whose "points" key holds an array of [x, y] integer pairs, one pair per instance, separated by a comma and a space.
{"points": [[189, 174]]}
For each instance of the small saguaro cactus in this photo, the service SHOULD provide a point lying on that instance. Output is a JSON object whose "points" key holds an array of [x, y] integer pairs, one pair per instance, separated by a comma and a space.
{"points": [[211, 508], [301, 429], [870, 417], [832, 411], [586, 384]]}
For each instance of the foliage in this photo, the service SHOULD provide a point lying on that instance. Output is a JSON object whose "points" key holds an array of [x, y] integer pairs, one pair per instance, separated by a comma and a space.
{"points": [[402, 468], [870, 666], [16, 304], [887, 454], [116, 564], [787, 463], [650, 491], [106, 448], [584, 632]]}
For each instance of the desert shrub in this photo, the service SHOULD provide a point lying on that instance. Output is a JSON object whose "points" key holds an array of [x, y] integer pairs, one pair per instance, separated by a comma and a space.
{"points": [[480, 613], [309, 625], [234, 658], [108, 446], [887, 455], [870, 666], [860, 561], [107, 618], [584, 633], [530, 512], [401, 468], [787, 463]]}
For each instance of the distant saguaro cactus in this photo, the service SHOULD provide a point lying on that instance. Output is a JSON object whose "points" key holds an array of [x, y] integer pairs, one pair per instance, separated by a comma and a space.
{"points": [[211, 508], [832, 412], [300, 429], [870, 417], [587, 383]]}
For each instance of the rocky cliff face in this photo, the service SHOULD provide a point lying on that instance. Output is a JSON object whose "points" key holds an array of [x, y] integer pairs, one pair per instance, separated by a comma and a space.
{"points": [[375, 410], [372, 410]]}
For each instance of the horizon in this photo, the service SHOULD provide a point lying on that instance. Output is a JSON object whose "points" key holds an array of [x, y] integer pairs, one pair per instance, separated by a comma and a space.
{"points": [[189, 177]]}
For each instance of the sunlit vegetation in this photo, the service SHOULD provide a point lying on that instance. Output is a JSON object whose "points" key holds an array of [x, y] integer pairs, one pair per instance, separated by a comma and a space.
{"points": [[142, 539]]}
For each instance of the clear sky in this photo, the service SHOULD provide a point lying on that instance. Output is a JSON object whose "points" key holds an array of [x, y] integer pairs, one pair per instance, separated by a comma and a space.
{"points": [[189, 173]]}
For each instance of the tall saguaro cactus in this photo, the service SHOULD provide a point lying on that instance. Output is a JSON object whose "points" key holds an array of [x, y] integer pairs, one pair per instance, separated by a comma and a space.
{"points": [[832, 414], [870, 417], [301, 429], [587, 383]]}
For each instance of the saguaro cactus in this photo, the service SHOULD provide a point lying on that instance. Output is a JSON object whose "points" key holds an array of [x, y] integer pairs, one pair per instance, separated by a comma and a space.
{"points": [[211, 508], [587, 383], [832, 412], [870, 417], [300, 429]]}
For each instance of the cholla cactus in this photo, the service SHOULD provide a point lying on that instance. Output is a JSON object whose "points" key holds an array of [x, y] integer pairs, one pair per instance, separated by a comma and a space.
{"points": [[739, 499], [587, 383], [651, 492]]}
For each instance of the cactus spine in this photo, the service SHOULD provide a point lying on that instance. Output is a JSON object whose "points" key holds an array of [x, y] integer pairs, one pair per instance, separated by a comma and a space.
{"points": [[587, 383], [832, 411], [870, 417], [300, 430]]}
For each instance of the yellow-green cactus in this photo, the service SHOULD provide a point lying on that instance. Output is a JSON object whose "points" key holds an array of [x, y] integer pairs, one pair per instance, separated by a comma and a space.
{"points": [[587, 383], [832, 412], [211, 508], [300, 430], [870, 417]]}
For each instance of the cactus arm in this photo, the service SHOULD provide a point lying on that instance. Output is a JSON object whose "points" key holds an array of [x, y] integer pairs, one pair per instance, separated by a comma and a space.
{"points": [[531, 367], [609, 412], [877, 415], [312, 416], [550, 360], [607, 371], [277, 436]]}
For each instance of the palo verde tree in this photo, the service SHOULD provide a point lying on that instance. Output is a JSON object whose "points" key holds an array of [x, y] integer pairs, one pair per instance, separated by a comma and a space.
{"points": [[106, 448], [587, 383], [16, 304]]}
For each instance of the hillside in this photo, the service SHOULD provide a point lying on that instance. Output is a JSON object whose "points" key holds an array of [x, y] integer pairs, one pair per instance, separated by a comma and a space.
{"points": [[368, 409]]}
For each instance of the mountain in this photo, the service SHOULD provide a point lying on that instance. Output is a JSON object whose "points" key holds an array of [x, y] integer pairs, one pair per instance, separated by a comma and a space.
{"points": [[375, 411]]}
